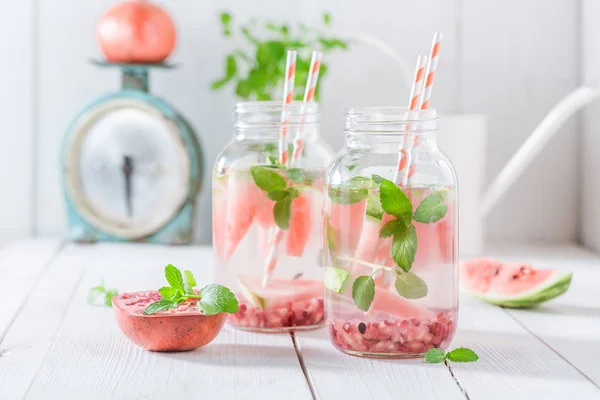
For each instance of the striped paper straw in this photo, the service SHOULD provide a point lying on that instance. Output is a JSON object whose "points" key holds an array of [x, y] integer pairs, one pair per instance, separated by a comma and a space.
{"points": [[413, 104], [309, 95], [288, 97], [427, 89]]}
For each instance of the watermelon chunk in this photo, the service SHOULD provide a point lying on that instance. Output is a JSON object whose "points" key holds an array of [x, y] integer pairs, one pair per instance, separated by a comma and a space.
{"points": [[279, 291], [512, 285], [301, 222], [219, 205]]}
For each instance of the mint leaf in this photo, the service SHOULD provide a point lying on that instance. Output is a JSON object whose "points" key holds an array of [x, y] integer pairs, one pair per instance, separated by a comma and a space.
{"points": [[95, 293], [271, 148], [274, 162], [168, 292], [174, 277], [351, 167], [376, 179], [278, 195], [267, 179], [331, 236], [101, 293], [190, 281], [293, 192], [410, 286], [462, 354], [159, 305], [435, 356], [394, 201], [391, 228], [215, 299], [335, 278], [296, 175], [404, 247], [363, 291], [282, 212], [431, 209], [108, 297], [347, 196]]}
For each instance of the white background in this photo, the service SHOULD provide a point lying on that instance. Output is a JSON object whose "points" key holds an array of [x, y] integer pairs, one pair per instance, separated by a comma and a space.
{"points": [[509, 59]]}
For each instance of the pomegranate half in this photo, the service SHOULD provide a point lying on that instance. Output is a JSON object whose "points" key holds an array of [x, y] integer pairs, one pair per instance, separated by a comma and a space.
{"points": [[180, 329], [136, 31]]}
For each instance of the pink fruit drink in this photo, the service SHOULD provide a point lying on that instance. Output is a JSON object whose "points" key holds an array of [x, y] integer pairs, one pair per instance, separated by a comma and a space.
{"points": [[404, 322], [243, 228]]}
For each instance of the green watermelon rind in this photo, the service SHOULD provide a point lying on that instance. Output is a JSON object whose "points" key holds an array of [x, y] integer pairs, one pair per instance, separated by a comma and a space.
{"points": [[548, 290]]}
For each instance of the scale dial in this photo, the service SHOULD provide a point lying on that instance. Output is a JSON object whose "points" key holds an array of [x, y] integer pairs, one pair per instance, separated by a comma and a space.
{"points": [[127, 171]]}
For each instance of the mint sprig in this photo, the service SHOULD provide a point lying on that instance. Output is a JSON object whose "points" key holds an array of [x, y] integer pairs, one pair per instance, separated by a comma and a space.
{"points": [[461, 354], [363, 292], [431, 209], [100, 293], [212, 299]]}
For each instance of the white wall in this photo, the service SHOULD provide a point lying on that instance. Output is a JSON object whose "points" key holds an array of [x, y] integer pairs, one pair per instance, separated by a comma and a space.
{"points": [[509, 59]]}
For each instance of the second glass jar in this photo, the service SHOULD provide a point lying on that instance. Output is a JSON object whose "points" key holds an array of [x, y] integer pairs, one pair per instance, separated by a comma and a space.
{"points": [[267, 216], [391, 237]]}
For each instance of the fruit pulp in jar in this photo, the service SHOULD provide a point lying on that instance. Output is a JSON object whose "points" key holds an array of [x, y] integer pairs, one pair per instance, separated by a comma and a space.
{"points": [[246, 238], [393, 325]]}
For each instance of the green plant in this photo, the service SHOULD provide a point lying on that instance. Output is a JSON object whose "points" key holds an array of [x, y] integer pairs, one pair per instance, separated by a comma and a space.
{"points": [[257, 72]]}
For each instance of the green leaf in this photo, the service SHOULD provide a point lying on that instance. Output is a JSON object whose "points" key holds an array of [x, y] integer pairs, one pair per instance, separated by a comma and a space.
{"points": [[404, 247], [376, 179], [282, 212], [410, 286], [394, 201], [351, 167], [335, 278], [226, 23], [296, 175], [174, 277], [216, 299], [267, 179], [431, 209], [435, 356], [271, 148], [95, 293], [231, 66], [168, 292], [294, 192], [108, 297], [327, 18], [159, 305], [189, 281], [242, 89], [331, 241], [278, 195], [347, 196], [391, 228], [246, 33], [219, 83], [363, 291], [462, 354]]}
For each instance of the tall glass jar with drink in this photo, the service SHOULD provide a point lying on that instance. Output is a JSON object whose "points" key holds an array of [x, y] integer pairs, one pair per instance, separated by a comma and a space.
{"points": [[390, 229]]}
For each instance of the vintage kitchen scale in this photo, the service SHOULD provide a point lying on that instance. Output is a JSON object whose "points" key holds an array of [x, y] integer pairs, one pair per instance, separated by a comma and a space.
{"points": [[132, 166]]}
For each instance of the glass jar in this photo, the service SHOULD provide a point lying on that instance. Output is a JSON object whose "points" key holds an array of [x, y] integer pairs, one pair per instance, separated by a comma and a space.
{"points": [[391, 237], [267, 217]]}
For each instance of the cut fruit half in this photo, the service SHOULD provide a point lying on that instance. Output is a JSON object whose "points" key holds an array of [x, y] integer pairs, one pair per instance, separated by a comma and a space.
{"points": [[512, 285]]}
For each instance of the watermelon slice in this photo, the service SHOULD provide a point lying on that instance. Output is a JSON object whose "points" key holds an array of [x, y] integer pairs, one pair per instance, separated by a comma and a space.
{"points": [[244, 200], [512, 285], [304, 208], [279, 291], [265, 216], [346, 219], [219, 205]]}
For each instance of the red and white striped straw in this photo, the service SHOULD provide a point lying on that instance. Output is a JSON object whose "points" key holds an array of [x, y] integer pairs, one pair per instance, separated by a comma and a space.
{"points": [[426, 94], [288, 97], [413, 104], [309, 95]]}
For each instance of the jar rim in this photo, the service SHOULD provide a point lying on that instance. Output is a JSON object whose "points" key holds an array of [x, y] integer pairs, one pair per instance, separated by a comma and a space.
{"points": [[270, 106], [389, 114]]}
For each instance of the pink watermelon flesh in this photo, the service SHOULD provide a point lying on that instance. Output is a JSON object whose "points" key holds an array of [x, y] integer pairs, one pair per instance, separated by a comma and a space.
{"points": [[244, 200], [265, 215], [282, 291], [397, 306], [300, 226], [346, 220], [219, 215], [491, 276], [368, 242]]}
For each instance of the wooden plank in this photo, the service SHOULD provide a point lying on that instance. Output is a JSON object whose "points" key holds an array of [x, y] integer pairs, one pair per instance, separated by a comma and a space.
{"points": [[569, 324], [17, 102], [83, 353], [21, 263], [519, 59], [335, 375]]}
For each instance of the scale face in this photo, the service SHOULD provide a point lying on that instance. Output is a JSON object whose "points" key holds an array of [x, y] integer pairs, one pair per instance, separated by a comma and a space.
{"points": [[129, 173]]}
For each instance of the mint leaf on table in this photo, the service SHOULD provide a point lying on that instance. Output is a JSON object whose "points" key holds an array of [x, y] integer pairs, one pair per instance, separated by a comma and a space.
{"points": [[101, 293], [435, 356], [363, 292], [267, 179], [216, 299], [394, 201], [391, 228], [410, 286], [404, 247], [431, 209], [160, 305], [174, 277], [189, 281], [462, 354], [282, 212], [296, 175]]}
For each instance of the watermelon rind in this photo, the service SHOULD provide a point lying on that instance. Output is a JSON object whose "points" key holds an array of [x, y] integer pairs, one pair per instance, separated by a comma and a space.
{"points": [[550, 289]]}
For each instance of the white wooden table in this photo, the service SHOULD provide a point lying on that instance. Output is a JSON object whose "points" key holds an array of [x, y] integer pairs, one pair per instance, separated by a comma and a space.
{"points": [[53, 345]]}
